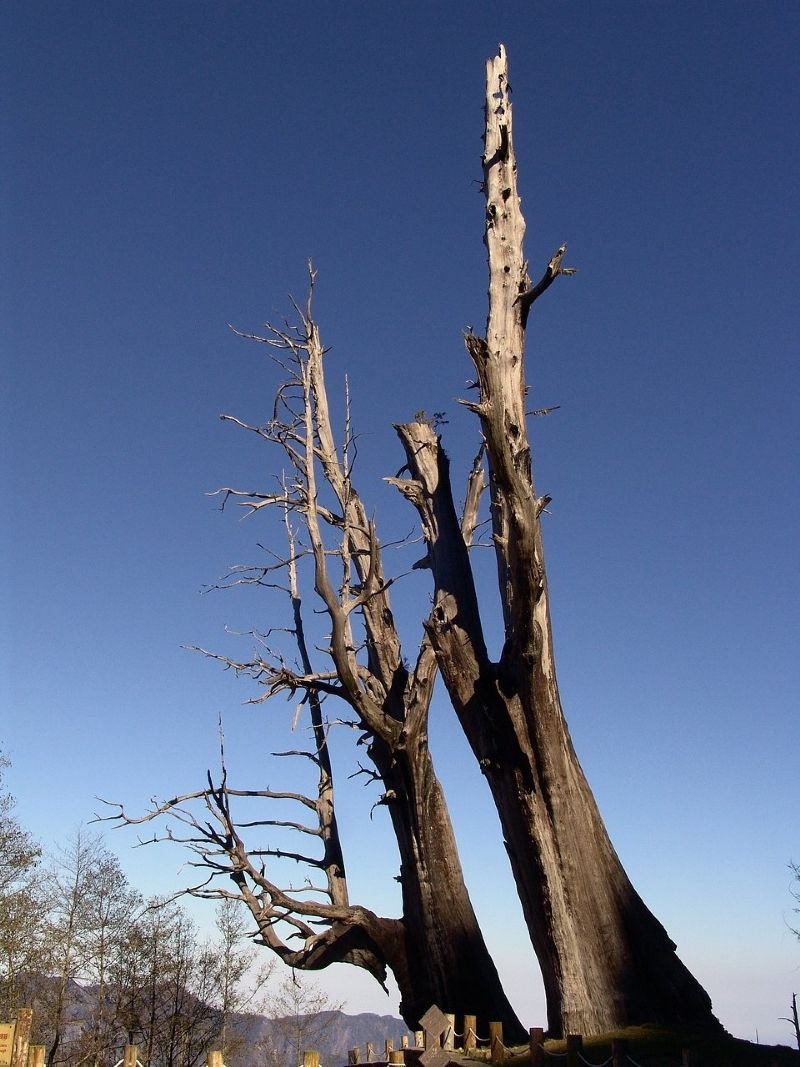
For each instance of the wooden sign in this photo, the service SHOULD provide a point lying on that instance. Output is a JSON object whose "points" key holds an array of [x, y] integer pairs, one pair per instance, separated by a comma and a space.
{"points": [[6, 1043]]}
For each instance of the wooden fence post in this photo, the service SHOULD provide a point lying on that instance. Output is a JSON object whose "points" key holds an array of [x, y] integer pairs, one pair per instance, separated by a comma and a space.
{"points": [[36, 1055], [574, 1049], [130, 1055], [619, 1052], [354, 1056], [213, 1059], [496, 1046], [396, 1056], [370, 1052], [22, 1037], [536, 1035], [419, 1039], [449, 1037], [404, 1041], [311, 1058], [470, 1033]]}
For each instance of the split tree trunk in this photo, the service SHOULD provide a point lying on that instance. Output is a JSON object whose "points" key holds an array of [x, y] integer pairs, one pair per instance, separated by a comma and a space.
{"points": [[606, 960]]}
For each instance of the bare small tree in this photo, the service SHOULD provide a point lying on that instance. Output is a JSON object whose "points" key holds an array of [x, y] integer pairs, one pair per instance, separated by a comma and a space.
{"points": [[166, 986], [239, 980], [111, 907], [794, 1020], [69, 919], [301, 1017]]}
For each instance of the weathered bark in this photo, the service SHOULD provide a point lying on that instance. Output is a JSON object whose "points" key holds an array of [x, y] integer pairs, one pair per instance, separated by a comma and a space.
{"points": [[606, 960]]}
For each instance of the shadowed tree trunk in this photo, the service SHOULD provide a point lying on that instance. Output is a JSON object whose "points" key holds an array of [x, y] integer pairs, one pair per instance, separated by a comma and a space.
{"points": [[446, 951], [606, 960]]}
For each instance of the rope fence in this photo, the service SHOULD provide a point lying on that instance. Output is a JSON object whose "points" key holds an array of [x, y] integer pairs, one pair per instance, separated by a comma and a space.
{"points": [[440, 1043], [434, 1046]]}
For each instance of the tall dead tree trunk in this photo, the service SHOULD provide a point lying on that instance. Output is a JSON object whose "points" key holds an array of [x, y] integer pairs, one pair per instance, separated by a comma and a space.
{"points": [[606, 960]]}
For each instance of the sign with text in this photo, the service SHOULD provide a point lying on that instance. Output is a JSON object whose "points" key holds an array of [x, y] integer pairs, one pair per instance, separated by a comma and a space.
{"points": [[6, 1043]]}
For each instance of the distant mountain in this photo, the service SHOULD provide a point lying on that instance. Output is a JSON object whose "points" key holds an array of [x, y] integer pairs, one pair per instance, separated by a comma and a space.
{"points": [[331, 1033], [254, 1040]]}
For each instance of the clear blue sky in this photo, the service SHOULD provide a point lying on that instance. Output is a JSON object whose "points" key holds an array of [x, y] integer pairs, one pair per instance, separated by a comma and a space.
{"points": [[168, 167]]}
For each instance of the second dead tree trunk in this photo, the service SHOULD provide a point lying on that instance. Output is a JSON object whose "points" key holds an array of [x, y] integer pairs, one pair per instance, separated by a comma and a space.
{"points": [[606, 961]]}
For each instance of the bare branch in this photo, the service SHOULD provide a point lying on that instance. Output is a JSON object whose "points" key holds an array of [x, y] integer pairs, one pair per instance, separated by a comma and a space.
{"points": [[552, 271], [347, 933]]}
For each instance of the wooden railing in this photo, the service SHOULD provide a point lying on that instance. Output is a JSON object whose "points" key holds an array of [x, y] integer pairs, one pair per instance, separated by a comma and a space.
{"points": [[437, 1044]]}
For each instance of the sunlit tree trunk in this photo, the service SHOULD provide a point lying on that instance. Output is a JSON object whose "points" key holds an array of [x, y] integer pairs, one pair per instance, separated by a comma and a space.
{"points": [[606, 960]]}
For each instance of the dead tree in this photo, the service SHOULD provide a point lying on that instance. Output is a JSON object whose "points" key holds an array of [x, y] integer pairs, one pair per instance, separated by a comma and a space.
{"points": [[436, 950], [794, 1019], [606, 960]]}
